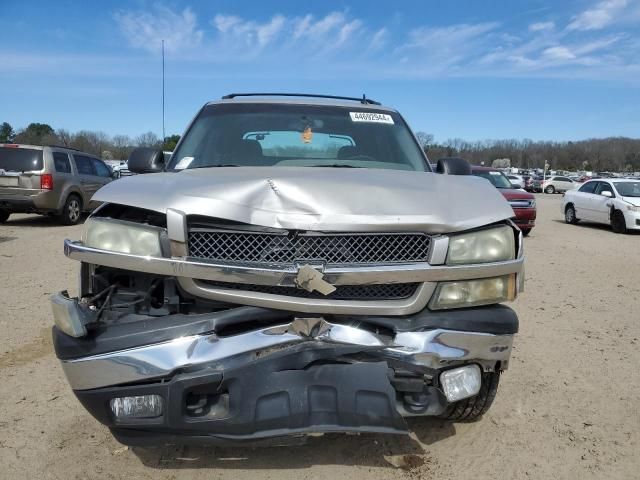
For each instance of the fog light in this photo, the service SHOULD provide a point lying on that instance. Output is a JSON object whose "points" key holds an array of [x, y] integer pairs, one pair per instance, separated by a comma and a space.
{"points": [[472, 293], [143, 406], [461, 382]]}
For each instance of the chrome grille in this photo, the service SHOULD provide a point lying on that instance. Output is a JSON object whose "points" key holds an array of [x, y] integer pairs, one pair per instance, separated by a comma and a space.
{"points": [[393, 291], [332, 249]]}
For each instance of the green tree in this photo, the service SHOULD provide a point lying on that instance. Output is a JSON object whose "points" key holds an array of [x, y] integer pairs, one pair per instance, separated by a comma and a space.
{"points": [[6, 133], [170, 143], [37, 134]]}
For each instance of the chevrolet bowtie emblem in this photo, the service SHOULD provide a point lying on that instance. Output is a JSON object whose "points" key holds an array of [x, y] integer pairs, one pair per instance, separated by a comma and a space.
{"points": [[310, 279]]}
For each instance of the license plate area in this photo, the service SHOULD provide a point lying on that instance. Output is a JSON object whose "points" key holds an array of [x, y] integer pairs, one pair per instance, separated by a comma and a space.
{"points": [[6, 181]]}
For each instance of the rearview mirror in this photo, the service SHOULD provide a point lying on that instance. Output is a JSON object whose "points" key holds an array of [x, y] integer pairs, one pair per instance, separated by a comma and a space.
{"points": [[146, 160], [606, 193], [453, 166]]}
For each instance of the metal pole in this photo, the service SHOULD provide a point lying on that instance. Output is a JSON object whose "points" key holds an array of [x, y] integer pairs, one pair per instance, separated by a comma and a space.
{"points": [[163, 137]]}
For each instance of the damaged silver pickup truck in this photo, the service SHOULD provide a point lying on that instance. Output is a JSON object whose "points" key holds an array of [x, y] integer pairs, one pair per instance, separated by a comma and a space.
{"points": [[294, 268]]}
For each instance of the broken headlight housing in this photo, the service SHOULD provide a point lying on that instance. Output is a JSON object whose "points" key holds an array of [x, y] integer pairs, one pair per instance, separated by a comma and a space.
{"points": [[123, 237], [482, 246]]}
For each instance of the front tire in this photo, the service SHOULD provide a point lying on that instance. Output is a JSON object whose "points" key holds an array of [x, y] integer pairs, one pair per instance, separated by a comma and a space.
{"points": [[472, 409], [570, 215], [4, 215], [618, 223], [72, 210], [550, 189]]}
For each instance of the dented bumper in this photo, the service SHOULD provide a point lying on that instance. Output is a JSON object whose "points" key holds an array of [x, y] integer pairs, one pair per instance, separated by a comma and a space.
{"points": [[292, 376]]}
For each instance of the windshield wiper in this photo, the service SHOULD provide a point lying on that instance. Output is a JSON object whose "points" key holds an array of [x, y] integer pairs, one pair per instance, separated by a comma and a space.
{"points": [[214, 166], [335, 165]]}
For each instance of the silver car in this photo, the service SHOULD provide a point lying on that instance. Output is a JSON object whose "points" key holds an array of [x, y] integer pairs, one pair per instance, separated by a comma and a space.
{"points": [[295, 268], [49, 180], [558, 184]]}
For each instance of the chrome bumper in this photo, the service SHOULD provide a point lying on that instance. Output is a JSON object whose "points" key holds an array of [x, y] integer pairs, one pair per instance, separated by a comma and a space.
{"points": [[434, 349]]}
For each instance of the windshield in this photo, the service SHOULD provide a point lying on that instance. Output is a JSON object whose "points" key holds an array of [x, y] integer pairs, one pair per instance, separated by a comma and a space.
{"points": [[628, 189], [20, 159], [498, 179], [298, 135]]}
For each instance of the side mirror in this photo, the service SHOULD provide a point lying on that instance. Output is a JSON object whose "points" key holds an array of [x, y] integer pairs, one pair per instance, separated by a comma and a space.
{"points": [[115, 174], [146, 160], [453, 166], [606, 193], [515, 185]]}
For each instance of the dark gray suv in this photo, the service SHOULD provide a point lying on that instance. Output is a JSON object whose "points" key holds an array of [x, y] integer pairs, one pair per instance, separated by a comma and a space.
{"points": [[49, 180]]}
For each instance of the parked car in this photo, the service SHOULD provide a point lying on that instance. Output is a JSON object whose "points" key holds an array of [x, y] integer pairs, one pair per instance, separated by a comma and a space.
{"points": [[516, 180], [522, 203], [528, 183], [615, 202], [122, 170], [557, 184], [49, 180], [295, 268], [536, 184]]}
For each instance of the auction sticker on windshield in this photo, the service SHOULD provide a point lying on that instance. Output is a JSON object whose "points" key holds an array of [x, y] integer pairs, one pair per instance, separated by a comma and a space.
{"points": [[371, 117]]}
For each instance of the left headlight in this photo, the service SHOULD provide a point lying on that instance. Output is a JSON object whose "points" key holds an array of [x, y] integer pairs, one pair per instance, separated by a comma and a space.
{"points": [[123, 237], [482, 246]]}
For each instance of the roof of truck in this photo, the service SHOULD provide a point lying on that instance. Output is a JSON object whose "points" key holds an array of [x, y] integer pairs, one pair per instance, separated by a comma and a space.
{"points": [[302, 99]]}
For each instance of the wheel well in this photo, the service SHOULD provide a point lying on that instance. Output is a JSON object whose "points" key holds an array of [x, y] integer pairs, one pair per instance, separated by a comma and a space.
{"points": [[74, 194], [570, 204]]}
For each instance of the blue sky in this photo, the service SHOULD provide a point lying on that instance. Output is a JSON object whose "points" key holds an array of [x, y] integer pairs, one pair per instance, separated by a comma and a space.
{"points": [[560, 70]]}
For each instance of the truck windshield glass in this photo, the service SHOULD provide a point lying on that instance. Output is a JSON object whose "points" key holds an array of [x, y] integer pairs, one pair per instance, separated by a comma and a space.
{"points": [[628, 189], [248, 135], [20, 159], [498, 179]]}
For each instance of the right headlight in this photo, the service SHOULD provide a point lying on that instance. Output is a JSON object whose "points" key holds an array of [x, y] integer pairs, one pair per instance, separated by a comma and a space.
{"points": [[483, 246], [123, 237]]}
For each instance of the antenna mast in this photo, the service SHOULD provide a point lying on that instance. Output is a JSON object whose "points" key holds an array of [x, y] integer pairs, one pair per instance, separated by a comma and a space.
{"points": [[163, 135]]}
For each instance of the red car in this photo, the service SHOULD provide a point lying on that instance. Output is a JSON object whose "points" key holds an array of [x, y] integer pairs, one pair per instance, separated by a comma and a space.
{"points": [[523, 203]]}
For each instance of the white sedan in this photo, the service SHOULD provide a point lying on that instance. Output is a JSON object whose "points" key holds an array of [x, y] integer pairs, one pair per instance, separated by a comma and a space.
{"points": [[612, 201]]}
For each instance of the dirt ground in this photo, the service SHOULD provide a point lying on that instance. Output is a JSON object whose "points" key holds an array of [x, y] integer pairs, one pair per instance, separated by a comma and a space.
{"points": [[568, 407]]}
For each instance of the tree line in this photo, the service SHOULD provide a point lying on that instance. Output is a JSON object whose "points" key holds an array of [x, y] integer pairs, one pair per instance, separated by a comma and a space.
{"points": [[612, 154], [116, 147]]}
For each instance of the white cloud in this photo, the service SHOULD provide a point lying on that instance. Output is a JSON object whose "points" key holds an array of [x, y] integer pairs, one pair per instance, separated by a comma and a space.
{"points": [[558, 53], [249, 32], [379, 39], [146, 30], [280, 32], [442, 49], [541, 26], [343, 44], [598, 17], [433, 37]]}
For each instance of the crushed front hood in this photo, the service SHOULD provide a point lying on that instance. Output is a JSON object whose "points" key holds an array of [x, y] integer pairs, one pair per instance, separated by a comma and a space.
{"points": [[327, 199]]}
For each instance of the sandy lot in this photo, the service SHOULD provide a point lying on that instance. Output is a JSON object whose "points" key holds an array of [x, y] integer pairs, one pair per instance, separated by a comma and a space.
{"points": [[567, 408]]}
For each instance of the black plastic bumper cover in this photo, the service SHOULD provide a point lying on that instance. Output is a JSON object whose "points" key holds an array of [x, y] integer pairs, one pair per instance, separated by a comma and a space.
{"points": [[283, 395]]}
